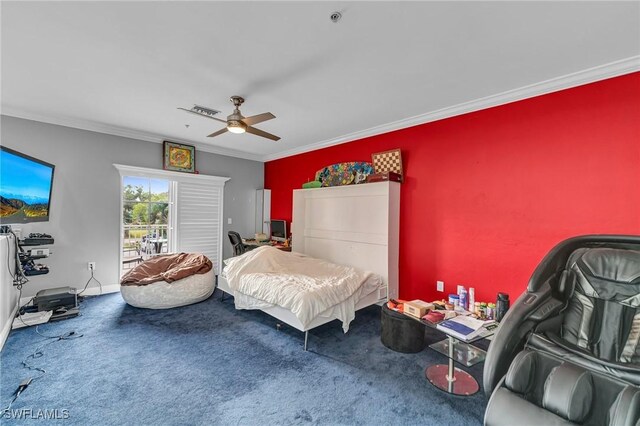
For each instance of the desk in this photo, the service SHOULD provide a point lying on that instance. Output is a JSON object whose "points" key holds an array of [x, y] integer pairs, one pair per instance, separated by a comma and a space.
{"points": [[255, 243], [157, 244], [251, 244]]}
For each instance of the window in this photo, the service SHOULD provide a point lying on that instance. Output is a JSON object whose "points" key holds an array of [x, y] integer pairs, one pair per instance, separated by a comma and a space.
{"points": [[165, 212]]}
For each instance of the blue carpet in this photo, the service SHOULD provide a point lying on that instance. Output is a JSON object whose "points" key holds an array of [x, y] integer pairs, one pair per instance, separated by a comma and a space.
{"points": [[210, 364]]}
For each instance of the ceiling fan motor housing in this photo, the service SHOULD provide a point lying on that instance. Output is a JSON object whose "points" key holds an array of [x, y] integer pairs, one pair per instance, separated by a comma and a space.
{"points": [[236, 115]]}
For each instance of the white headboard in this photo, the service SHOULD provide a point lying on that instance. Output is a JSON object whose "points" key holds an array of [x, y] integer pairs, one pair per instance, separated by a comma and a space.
{"points": [[356, 225]]}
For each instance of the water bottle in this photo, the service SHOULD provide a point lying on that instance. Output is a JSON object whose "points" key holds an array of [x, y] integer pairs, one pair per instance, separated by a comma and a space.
{"points": [[502, 305], [464, 299]]}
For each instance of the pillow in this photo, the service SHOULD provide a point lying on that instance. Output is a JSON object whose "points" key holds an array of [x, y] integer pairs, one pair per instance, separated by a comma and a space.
{"points": [[568, 392]]}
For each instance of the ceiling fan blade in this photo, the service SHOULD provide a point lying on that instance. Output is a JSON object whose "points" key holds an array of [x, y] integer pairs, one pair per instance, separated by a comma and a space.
{"points": [[203, 115], [255, 119], [218, 133], [264, 134]]}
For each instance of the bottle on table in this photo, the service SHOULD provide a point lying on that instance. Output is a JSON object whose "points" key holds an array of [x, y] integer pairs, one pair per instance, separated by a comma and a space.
{"points": [[502, 306], [464, 299], [477, 309], [491, 311]]}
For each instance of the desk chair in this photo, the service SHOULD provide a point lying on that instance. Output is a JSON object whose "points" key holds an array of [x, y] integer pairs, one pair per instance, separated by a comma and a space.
{"points": [[236, 242]]}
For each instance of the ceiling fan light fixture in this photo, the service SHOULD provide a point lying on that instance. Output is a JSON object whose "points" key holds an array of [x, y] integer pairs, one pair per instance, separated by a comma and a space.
{"points": [[236, 127]]}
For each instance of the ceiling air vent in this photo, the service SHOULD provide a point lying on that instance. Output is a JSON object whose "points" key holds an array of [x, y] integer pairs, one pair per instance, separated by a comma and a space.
{"points": [[200, 110]]}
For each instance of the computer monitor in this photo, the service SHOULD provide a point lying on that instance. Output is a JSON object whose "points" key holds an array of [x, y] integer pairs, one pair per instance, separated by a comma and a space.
{"points": [[279, 230]]}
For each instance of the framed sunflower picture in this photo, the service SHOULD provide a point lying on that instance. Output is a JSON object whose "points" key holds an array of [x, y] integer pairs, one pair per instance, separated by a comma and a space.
{"points": [[179, 157]]}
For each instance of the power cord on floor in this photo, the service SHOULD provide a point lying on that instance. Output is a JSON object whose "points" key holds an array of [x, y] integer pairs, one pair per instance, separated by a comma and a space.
{"points": [[25, 383], [38, 353], [92, 278]]}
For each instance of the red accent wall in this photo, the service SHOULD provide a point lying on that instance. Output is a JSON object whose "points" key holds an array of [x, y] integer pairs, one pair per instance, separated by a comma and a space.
{"points": [[487, 194]]}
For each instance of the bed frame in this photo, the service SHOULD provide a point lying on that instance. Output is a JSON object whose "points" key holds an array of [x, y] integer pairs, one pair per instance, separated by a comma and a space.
{"points": [[354, 225]]}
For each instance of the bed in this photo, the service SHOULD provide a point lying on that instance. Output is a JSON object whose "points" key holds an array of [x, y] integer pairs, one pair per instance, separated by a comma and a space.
{"points": [[351, 226]]}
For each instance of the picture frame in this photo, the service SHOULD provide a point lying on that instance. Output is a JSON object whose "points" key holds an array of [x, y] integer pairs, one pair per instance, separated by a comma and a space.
{"points": [[179, 157]]}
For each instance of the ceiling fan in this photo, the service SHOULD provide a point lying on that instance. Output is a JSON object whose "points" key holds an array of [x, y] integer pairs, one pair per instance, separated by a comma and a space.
{"points": [[236, 122]]}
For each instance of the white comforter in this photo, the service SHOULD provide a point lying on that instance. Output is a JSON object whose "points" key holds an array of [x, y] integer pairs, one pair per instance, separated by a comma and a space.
{"points": [[306, 286]]}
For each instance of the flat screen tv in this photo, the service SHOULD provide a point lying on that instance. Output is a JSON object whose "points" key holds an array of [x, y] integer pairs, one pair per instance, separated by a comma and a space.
{"points": [[25, 187], [278, 230]]}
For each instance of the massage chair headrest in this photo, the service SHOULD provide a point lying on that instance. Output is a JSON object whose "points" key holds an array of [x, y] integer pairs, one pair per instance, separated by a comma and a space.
{"points": [[608, 273]]}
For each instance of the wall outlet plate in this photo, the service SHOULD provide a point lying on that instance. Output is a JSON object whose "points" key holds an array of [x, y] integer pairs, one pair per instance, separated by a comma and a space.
{"points": [[440, 285], [91, 266]]}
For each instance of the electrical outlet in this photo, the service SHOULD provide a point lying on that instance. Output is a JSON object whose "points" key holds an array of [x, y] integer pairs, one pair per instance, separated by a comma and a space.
{"points": [[229, 221], [91, 266], [440, 285]]}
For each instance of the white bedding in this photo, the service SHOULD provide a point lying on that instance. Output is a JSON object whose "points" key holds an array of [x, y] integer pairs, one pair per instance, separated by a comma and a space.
{"points": [[306, 286]]}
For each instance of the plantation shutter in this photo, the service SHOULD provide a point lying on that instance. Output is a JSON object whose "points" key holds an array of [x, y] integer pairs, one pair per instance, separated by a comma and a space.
{"points": [[199, 220]]}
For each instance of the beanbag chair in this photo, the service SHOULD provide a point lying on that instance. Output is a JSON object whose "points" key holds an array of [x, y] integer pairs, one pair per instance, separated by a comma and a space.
{"points": [[169, 281]]}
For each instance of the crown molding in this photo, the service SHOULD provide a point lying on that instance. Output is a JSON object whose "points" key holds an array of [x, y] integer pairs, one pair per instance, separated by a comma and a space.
{"points": [[94, 126], [590, 75]]}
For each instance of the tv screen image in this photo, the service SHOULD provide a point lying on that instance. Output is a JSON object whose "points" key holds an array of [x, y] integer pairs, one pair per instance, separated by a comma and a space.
{"points": [[25, 187]]}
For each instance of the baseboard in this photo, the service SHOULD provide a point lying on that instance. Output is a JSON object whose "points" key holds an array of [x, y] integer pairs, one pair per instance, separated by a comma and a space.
{"points": [[106, 289], [7, 327]]}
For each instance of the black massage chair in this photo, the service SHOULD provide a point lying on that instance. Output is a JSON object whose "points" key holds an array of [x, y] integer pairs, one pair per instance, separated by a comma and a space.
{"points": [[568, 350]]}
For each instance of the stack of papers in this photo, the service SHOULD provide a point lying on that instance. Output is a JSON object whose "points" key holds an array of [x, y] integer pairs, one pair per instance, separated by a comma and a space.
{"points": [[467, 328], [31, 318]]}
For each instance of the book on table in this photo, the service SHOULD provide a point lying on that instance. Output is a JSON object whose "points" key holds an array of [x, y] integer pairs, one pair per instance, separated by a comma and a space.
{"points": [[467, 328]]}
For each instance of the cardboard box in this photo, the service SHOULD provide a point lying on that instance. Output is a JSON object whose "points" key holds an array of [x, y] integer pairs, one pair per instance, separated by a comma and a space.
{"points": [[417, 308]]}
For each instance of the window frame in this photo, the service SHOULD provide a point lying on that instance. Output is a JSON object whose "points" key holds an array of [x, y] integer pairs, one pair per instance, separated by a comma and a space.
{"points": [[175, 178]]}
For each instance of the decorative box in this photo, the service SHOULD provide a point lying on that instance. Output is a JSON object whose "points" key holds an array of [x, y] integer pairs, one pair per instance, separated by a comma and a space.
{"points": [[417, 308], [383, 177]]}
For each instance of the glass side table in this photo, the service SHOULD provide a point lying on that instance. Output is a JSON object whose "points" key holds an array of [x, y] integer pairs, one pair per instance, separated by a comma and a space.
{"points": [[449, 378]]}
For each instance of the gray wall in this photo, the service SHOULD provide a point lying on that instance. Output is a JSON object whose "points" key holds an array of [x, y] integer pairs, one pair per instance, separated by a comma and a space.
{"points": [[84, 217]]}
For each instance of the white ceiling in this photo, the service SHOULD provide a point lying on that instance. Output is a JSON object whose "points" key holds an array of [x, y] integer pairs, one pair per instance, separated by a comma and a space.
{"points": [[123, 68]]}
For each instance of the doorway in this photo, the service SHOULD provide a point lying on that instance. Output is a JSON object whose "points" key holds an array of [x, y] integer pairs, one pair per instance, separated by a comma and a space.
{"points": [[147, 211]]}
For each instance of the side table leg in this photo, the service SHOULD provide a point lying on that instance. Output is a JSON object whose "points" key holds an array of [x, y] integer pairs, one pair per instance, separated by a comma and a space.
{"points": [[451, 373], [450, 379]]}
